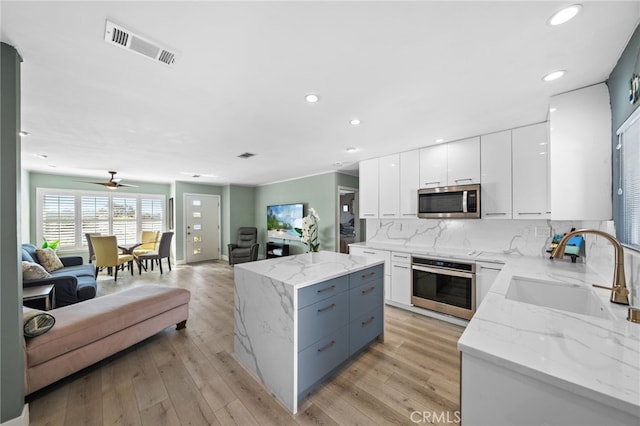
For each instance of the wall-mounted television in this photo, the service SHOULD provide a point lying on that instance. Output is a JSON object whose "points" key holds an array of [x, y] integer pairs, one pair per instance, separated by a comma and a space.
{"points": [[282, 219]]}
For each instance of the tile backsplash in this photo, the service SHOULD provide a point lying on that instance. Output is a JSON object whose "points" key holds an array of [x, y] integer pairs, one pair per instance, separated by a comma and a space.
{"points": [[516, 237]]}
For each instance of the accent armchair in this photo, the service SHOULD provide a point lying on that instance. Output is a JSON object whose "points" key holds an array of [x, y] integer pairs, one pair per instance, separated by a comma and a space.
{"points": [[246, 247]]}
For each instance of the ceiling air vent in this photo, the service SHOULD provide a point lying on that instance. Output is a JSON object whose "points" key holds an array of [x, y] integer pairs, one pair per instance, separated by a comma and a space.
{"points": [[246, 155], [126, 39]]}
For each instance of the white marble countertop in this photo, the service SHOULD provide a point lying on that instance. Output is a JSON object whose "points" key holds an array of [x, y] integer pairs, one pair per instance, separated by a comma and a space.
{"points": [[594, 357], [309, 268]]}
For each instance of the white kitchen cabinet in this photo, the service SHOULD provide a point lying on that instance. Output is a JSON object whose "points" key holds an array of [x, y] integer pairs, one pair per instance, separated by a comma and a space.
{"points": [[486, 273], [580, 132], [463, 162], [389, 183], [368, 189], [495, 164], [433, 166], [409, 183], [385, 255], [530, 166], [401, 277]]}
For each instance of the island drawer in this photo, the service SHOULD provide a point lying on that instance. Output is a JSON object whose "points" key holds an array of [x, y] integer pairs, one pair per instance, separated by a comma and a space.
{"points": [[322, 357], [317, 292], [359, 278], [365, 328], [366, 297], [322, 318]]}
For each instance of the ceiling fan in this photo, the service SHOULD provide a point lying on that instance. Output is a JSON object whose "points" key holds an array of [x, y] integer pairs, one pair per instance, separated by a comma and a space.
{"points": [[113, 183]]}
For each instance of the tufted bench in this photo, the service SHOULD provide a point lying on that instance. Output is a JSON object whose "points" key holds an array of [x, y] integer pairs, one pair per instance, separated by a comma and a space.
{"points": [[87, 332]]}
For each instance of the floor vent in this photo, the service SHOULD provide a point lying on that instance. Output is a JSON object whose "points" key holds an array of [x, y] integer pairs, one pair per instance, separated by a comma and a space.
{"points": [[246, 155], [121, 37]]}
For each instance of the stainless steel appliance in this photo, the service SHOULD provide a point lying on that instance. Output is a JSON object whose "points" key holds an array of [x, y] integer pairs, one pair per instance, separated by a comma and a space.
{"points": [[447, 286], [461, 201]]}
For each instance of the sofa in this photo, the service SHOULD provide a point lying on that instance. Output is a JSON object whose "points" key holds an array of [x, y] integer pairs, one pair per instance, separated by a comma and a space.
{"points": [[73, 283], [88, 332]]}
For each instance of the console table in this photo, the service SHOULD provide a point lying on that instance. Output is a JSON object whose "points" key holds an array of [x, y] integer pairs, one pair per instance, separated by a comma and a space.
{"points": [[299, 319]]}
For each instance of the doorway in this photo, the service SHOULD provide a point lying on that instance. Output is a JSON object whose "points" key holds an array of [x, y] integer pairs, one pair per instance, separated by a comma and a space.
{"points": [[202, 227], [349, 229]]}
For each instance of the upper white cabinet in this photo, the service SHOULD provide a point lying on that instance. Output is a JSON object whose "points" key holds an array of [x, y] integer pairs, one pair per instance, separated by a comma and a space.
{"points": [[409, 183], [463, 162], [580, 131], [495, 163], [433, 166], [453, 163], [530, 166], [389, 182], [368, 189]]}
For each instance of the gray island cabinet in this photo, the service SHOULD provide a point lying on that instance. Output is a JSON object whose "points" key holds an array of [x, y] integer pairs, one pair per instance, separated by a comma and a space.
{"points": [[299, 318]]}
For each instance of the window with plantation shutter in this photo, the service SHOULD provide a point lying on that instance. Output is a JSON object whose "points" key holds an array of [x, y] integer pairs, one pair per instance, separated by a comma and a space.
{"points": [[67, 215], [629, 186], [58, 219]]}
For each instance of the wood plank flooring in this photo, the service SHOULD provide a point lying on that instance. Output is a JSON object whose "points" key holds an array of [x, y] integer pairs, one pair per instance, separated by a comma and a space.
{"points": [[190, 377]]}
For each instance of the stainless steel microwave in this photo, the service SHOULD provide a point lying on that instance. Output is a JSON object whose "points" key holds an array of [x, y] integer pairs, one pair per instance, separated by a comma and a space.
{"points": [[461, 201]]}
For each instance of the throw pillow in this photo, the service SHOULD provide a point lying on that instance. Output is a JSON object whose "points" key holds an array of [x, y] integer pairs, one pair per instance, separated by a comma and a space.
{"points": [[49, 259], [33, 271], [36, 322]]}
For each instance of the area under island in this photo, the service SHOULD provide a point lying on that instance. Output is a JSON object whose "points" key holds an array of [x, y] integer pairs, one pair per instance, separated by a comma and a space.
{"points": [[300, 318]]}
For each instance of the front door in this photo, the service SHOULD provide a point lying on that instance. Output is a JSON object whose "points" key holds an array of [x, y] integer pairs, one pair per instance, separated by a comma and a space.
{"points": [[202, 233]]}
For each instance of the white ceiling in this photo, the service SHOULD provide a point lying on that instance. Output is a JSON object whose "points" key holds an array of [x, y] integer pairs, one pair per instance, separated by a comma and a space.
{"points": [[412, 72]]}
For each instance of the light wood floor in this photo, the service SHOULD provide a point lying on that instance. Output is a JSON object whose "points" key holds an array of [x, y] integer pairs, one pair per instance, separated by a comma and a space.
{"points": [[190, 377]]}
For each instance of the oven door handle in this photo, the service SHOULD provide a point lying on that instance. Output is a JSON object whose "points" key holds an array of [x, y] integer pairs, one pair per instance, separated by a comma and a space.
{"points": [[442, 271]]}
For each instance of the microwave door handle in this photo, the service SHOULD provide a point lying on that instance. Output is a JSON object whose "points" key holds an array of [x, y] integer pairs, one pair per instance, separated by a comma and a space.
{"points": [[464, 201]]}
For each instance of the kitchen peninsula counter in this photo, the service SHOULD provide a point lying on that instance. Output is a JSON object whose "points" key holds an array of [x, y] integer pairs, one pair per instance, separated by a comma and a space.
{"points": [[297, 319]]}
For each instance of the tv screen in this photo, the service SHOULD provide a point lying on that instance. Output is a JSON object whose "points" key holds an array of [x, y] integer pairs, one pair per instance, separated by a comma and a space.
{"points": [[282, 219]]}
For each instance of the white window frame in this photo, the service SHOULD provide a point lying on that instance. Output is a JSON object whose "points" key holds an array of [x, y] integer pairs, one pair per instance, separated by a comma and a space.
{"points": [[80, 240], [628, 201]]}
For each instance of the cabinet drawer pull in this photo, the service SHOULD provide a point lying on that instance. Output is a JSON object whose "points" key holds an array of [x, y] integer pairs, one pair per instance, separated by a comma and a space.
{"points": [[435, 181], [388, 214], [367, 322], [327, 289], [326, 308], [401, 267], [369, 214], [400, 257], [370, 274], [369, 252], [462, 180], [530, 213], [327, 346], [496, 214], [369, 290]]}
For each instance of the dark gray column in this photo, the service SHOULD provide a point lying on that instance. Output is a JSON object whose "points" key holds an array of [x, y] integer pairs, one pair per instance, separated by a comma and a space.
{"points": [[11, 360]]}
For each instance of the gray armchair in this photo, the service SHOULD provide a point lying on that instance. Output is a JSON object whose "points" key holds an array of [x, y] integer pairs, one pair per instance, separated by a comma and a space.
{"points": [[246, 248]]}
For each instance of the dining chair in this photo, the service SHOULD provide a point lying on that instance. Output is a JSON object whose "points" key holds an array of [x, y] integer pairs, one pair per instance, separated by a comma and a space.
{"points": [[92, 254], [164, 250], [108, 255], [148, 242]]}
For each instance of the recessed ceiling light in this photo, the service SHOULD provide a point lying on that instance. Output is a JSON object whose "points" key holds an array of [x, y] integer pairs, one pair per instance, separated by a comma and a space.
{"points": [[337, 164], [23, 133], [439, 140], [552, 109], [554, 75], [311, 98], [564, 15], [355, 122], [352, 149]]}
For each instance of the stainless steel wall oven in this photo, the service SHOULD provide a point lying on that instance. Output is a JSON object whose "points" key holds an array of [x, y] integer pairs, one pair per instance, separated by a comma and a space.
{"points": [[446, 286]]}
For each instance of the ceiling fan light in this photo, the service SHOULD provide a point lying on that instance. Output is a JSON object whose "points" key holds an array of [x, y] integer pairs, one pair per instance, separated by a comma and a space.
{"points": [[312, 98]]}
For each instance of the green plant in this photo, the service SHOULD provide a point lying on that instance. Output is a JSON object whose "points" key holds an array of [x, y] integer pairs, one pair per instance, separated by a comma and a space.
{"points": [[50, 244]]}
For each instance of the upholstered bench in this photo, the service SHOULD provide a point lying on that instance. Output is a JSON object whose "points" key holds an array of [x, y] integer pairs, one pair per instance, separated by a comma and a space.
{"points": [[87, 332]]}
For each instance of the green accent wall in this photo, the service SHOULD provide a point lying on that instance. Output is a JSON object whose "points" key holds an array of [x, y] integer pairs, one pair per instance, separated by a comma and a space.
{"points": [[319, 192], [12, 357], [621, 108], [241, 206]]}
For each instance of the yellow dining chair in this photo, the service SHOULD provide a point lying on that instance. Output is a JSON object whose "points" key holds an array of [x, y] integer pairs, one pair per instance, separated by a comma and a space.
{"points": [[108, 255], [149, 244]]}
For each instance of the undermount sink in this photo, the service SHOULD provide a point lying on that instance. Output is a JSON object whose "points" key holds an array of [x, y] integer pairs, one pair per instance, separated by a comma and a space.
{"points": [[557, 295]]}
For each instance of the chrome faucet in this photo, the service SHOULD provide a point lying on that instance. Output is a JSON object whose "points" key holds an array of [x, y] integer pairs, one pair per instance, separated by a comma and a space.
{"points": [[619, 292]]}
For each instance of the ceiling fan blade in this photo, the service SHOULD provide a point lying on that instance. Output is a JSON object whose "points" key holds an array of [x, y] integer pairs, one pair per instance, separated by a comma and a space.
{"points": [[127, 185]]}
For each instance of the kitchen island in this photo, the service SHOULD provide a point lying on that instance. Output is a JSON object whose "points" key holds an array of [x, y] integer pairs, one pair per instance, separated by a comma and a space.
{"points": [[298, 319]]}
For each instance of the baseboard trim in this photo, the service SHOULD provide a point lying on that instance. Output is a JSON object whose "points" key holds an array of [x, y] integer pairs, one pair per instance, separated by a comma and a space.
{"points": [[23, 420]]}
